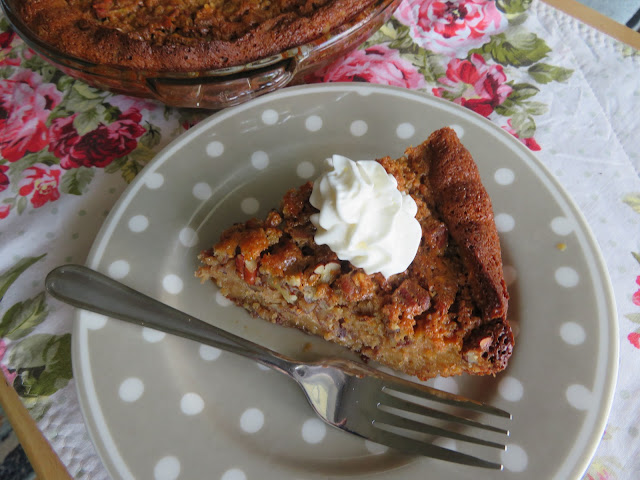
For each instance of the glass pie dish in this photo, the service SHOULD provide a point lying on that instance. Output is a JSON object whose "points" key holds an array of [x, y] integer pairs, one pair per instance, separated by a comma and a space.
{"points": [[219, 88]]}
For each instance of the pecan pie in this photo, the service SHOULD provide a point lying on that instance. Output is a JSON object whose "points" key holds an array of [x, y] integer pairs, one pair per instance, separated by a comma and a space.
{"points": [[446, 314], [182, 35]]}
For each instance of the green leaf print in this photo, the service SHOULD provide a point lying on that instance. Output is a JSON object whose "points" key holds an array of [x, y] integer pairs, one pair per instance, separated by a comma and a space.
{"points": [[151, 137], [11, 275], [45, 364], [23, 317], [636, 256], [82, 98], [545, 73], [523, 124], [633, 200], [516, 47], [513, 7], [89, 120], [76, 181], [634, 317]]}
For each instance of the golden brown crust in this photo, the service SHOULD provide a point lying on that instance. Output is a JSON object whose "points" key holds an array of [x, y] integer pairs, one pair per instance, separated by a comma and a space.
{"points": [[445, 315], [466, 208], [73, 27]]}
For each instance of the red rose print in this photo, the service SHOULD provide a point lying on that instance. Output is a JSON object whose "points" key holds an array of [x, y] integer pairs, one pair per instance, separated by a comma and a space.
{"points": [[634, 338], [6, 38], [474, 84], [4, 180], [451, 28], [4, 211], [377, 64], [25, 104], [99, 147], [636, 296], [530, 142], [41, 182]]}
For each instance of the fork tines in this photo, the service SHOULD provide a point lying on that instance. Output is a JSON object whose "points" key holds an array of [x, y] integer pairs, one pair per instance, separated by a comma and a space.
{"points": [[401, 398]]}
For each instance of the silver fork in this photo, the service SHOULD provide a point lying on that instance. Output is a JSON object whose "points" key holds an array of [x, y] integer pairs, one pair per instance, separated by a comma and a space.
{"points": [[348, 395]]}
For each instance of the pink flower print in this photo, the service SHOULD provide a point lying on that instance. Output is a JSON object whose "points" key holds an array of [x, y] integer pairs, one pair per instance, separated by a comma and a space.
{"points": [[376, 64], [25, 104], [41, 182], [474, 84], [634, 338], [10, 376], [451, 28]]}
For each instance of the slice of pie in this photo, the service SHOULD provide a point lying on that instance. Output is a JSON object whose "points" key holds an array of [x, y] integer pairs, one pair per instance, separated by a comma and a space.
{"points": [[446, 314]]}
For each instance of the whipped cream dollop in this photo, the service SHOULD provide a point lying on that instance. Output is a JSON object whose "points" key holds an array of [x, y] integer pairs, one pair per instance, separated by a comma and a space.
{"points": [[364, 218]]}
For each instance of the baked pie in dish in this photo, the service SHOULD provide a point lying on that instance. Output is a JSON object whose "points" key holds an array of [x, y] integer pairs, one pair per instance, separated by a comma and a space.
{"points": [[194, 53], [445, 314]]}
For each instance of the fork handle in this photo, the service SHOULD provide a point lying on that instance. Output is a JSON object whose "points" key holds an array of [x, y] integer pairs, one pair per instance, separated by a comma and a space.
{"points": [[88, 289]]}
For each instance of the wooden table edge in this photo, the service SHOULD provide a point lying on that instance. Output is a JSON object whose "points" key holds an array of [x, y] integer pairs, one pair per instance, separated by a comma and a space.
{"points": [[595, 19], [44, 460]]}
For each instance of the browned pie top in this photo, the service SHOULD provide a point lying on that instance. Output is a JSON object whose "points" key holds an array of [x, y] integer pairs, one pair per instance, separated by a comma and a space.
{"points": [[182, 35]]}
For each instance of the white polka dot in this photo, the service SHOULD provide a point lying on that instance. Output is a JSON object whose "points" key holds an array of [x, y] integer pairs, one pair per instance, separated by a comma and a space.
{"points": [[233, 474], [154, 180], [260, 160], [504, 222], [93, 321], [152, 335], [358, 128], [511, 389], [252, 420], [313, 430], [131, 389], [567, 277], [202, 191], [188, 237], [270, 117], [191, 403], [222, 300], [579, 397], [562, 226], [209, 353], [167, 468], [504, 176], [215, 149], [119, 269], [375, 448], [138, 223], [572, 333], [458, 129], [249, 205], [405, 130], [313, 123], [510, 274], [514, 458], [172, 284], [305, 169], [448, 384]]}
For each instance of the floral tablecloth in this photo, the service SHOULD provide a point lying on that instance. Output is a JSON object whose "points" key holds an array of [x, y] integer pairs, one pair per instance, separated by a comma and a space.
{"points": [[67, 151]]}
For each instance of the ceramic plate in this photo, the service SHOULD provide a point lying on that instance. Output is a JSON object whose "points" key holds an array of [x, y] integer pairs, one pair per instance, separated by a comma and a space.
{"points": [[162, 407]]}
